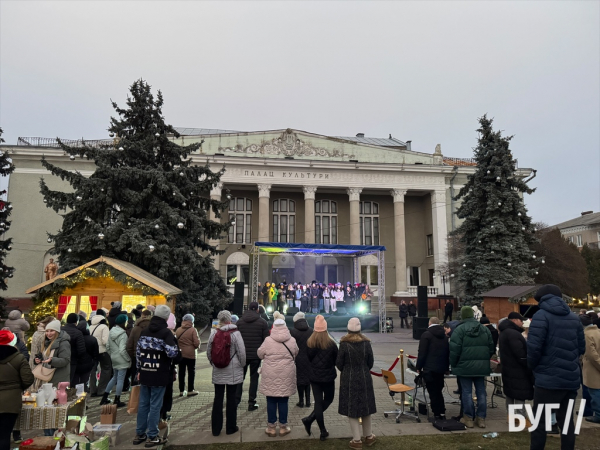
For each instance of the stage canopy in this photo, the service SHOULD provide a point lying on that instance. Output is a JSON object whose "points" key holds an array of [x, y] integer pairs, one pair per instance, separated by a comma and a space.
{"points": [[353, 252]]}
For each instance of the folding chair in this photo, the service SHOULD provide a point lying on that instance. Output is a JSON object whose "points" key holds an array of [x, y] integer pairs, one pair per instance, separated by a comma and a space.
{"points": [[395, 388]]}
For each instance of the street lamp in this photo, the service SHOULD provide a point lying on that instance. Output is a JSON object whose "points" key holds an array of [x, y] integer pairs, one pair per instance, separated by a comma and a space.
{"points": [[445, 277]]}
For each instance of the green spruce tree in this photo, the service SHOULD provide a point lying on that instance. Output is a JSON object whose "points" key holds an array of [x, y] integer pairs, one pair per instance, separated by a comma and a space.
{"points": [[592, 261], [6, 168], [497, 233], [145, 203]]}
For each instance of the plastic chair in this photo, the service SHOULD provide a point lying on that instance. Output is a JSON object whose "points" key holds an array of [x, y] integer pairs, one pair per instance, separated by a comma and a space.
{"points": [[396, 388]]}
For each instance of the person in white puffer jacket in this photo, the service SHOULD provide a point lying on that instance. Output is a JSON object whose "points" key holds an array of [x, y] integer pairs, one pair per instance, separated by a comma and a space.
{"points": [[99, 330]]}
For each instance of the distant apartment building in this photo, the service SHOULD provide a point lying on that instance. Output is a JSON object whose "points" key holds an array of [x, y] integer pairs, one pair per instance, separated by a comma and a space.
{"points": [[584, 229]]}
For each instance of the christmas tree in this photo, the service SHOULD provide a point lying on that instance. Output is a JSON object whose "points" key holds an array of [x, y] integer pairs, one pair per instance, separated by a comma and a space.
{"points": [[6, 168], [497, 233], [145, 203]]}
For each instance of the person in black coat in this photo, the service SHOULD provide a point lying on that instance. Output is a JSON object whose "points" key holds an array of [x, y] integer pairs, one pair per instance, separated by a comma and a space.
{"points": [[403, 314], [87, 361], [301, 332], [448, 309], [357, 397], [486, 322], [78, 353], [517, 378], [322, 354], [114, 312], [254, 330], [433, 362], [412, 312]]}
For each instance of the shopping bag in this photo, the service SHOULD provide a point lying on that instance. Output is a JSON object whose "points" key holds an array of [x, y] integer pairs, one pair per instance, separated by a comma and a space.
{"points": [[134, 400]]}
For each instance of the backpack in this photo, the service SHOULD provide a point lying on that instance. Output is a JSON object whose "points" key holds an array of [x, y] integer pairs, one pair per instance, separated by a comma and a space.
{"points": [[221, 349]]}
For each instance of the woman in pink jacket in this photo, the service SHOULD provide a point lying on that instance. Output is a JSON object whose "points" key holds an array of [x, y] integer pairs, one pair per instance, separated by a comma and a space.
{"points": [[278, 375]]}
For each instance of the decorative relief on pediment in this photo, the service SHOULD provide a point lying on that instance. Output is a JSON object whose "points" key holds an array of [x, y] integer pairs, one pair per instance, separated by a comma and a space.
{"points": [[287, 144]]}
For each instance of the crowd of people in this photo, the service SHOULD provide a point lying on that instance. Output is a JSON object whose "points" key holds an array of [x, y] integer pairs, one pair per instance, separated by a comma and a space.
{"points": [[111, 351], [545, 360], [313, 297], [282, 363]]}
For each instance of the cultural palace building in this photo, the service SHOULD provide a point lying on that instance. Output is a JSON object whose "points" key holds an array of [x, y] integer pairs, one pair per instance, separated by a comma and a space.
{"points": [[285, 186]]}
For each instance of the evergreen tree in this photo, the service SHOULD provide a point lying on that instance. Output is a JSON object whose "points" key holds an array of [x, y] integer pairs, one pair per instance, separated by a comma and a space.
{"points": [[592, 260], [145, 203], [563, 265], [6, 168], [497, 233]]}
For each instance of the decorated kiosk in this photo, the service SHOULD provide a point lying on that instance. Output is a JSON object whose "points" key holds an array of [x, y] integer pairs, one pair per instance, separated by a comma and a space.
{"points": [[327, 263], [102, 281]]}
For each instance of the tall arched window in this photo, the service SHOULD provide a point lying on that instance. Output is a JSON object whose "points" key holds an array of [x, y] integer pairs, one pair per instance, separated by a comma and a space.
{"points": [[284, 220], [326, 222], [240, 210], [369, 223]]}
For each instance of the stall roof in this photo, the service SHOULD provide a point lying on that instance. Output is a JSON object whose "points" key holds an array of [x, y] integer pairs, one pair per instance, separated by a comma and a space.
{"points": [[127, 268], [317, 249], [511, 291]]}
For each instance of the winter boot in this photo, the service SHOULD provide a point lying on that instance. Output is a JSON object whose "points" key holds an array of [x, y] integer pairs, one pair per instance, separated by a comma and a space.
{"points": [[284, 429], [105, 400], [307, 421], [118, 402], [271, 430]]}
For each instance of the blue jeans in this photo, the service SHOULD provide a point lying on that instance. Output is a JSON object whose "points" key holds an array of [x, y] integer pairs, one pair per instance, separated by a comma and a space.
{"points": [[320, 304], [118, 379], [274, 404], [151, 399], [467, 396], [595, 396]]}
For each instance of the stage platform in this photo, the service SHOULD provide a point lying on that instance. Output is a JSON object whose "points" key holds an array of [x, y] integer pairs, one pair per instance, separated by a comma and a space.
{"points": [[368, 322]]}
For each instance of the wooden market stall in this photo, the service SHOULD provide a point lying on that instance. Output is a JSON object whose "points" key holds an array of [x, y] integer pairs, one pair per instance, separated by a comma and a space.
{"points": [[501, 301], [104, 280]]}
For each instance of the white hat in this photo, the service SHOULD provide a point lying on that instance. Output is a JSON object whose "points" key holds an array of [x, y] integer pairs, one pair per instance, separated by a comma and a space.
{"points": [[279, 322], [299, 315], [54, 325], [354, 325]]}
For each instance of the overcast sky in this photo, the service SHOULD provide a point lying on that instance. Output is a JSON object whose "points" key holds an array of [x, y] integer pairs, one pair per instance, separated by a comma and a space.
{"points": [[422, 71]]}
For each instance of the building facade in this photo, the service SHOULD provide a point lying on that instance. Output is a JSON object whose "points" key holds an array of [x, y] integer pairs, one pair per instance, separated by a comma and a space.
{"points": [[582, 230], [285, 186]]}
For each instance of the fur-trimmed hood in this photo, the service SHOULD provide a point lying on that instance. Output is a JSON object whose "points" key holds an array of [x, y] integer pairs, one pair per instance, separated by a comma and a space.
{"points": [[354, 337]]}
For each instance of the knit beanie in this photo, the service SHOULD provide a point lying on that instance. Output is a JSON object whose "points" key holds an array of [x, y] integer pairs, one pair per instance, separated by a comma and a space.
{"points": [[224, 316], [546, 290], [586, 320], [484, 321], [163, 311], [117, 305], [54, 325], [320, 323], [299, 315], [188, 318], [72, 318], [466, 312], [101, 312], [121, 319], [253, 306], [152, 308], [354, 325], [279, 322], [234, 318], [83, 314], [278, 315]]}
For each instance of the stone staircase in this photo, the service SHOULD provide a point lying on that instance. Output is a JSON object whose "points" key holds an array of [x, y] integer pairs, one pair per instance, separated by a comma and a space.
{"points": [[392, 310]]}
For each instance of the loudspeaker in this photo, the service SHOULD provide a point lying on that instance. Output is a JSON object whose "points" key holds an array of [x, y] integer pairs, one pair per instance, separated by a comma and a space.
{"points": [[420, 325], [422, 306], [291, 311], [238, 298], [341, 311]]}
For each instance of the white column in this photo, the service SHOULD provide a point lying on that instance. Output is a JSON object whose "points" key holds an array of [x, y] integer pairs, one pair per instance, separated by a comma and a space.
{"points": [[399, 241], [354, 194], [309, 214], [264, 193], [440, 234], [216, 194]]}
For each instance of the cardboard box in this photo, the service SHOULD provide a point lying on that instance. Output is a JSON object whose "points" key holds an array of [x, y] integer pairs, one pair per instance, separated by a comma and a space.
{"points": [[108, 414], [112, 431]]}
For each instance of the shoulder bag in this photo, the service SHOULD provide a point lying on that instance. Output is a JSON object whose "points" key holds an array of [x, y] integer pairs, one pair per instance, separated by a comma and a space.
{"points": [[41, 372]]}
